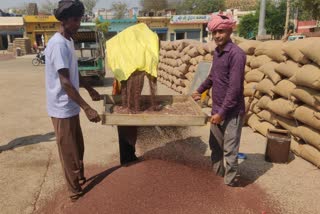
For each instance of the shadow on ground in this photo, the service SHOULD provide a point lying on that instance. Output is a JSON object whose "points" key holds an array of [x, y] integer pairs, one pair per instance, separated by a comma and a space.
{"points": [[28, 140]]}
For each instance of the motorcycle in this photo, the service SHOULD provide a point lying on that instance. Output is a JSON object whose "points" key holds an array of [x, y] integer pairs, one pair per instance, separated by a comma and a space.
{"points": [[40, 59]]}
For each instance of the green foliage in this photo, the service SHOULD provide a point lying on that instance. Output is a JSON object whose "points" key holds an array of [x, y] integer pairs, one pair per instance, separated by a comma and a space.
{"points": [[307, 9], [102, 26], [248, 26], [120, 9], [274, 21]]}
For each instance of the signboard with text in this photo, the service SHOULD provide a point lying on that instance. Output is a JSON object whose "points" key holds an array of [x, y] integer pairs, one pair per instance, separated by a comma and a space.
{"points": [[190, 19]]}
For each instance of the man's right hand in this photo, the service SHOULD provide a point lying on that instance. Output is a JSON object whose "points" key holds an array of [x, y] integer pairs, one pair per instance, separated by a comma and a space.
{"points": [[92, 115], [196, 96]]}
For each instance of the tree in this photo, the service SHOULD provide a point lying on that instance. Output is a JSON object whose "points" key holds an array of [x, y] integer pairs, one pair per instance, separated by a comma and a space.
{"points": [[102, 26], [201, 6], [274, 22], [89, 5], [120, 9], [48, 6], [307, 9], [154, 4]]}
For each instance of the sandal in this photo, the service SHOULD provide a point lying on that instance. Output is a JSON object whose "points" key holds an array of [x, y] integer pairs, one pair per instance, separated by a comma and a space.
{"points": [[82, 181], [76, 196]]}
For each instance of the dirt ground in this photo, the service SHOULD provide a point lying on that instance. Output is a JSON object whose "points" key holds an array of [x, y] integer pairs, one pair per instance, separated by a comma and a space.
{"points": [[31, 178]]}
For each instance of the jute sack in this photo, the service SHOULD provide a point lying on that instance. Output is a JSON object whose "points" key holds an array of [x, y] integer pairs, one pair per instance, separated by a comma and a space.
{"points": [[307, 152], [284, 88], [268, 116], [288, 68], [190, 76], [292, 50], [254, 76], [199, 59], [263, 102], [289, 124], [208, 57], [186, 49], [259, 61], [209, 47], [253, 121], [309, 76], [272, 49], [193, 52], [307, 95], [249, 58], [247, 69], [249, 46], [282, 107], [192, 68], [269, 70], [194, 61], [186, 58], [252, 106], [308, 135], [249, 89], [265, 87], [312, 51], [201, 50], [263, 127], [308, 116]]}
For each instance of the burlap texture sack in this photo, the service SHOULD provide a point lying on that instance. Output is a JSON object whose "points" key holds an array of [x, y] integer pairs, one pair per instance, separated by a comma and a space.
{"points": [[288, 68], [249, 46], [272, 49], [247, 69], [308, 116], [268, 116], [253, 121], [249, 59], [292, 50], [190, 76], [192, 68], [309, 76], [263, 102], [259, 61], [307, 152], [254, 76], [193, 52], [284, 88], [289, 124], [186, 58], [208, 57], [193, 61], [249, 89], [312, 51], [282, 107], [263, 127], [308, 135], [307, 95], [266, 86], [269, 70]]}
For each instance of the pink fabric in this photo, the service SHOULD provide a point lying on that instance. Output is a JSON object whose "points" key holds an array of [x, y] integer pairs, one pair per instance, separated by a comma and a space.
{"points": [[218, 23]]}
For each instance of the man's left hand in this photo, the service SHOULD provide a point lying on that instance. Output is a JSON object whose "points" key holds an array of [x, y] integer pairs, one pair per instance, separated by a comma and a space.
{"points": [[95, 96], [216, 119]]}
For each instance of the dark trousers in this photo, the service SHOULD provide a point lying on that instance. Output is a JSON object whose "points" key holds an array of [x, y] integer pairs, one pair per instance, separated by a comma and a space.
{"points": [[224, 143], [71, 150], [127, 141]]}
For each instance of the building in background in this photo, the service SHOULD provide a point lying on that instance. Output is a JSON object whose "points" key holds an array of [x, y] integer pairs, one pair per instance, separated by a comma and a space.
{"points": [[159, 25], [39, 29], [307, 26], [118, 25], [10, 28], [188, 27]]}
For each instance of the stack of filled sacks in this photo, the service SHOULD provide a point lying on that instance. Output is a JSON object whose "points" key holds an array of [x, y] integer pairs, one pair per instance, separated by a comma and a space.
{"points": [[179, 61], [284, 79]]}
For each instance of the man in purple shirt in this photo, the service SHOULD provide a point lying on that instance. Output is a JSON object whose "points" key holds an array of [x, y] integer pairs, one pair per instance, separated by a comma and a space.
{"points": [[226, 79]]}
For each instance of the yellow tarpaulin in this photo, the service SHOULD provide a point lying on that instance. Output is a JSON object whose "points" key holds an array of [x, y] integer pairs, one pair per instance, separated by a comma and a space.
{"points": [[134, 49]]}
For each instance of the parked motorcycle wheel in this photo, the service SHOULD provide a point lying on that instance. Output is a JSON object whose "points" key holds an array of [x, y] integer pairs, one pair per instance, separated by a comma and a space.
{"points": [[35, 62]]}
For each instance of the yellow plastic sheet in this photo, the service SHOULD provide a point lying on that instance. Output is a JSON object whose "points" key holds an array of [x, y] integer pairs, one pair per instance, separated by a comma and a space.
{"points": [[134, 49]]}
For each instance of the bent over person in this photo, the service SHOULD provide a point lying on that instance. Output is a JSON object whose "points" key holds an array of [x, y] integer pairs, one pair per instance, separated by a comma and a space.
{"points": [[63, 98], [226, 79]]}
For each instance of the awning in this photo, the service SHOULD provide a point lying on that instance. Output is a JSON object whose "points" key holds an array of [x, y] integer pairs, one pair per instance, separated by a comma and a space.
{"points": [[160, 30], [186, 30]]}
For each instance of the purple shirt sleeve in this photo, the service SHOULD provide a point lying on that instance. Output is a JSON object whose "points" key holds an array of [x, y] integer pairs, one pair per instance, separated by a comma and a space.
{"points": [[235, 87], [207, 84]]}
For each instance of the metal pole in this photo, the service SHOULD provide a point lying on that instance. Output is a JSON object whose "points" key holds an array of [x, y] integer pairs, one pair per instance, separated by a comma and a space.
{"points": [[262, 30]]}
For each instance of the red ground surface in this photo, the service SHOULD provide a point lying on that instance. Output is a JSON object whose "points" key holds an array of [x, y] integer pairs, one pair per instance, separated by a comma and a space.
{"points": [[156, 186]]}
